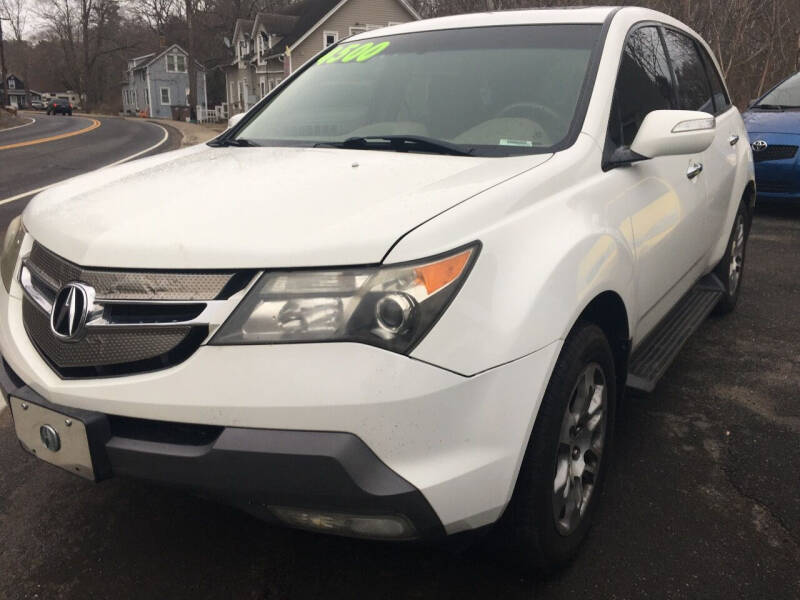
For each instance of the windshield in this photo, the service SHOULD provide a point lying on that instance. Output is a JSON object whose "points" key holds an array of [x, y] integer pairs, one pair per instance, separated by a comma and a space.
{"points": [[488, 91], [786, 95]]}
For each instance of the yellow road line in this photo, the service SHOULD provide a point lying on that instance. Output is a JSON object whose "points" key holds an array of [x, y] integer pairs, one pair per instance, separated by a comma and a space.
{"points": [[95, 124]]}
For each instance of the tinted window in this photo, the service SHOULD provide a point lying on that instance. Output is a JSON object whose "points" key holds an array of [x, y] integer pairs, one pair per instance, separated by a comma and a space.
{"points": [[490, 90], [693, 89], [644, 84], [721, 100]]}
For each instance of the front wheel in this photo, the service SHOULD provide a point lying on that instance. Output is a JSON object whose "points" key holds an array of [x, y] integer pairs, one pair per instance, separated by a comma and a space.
{"points": [[731, 268], [564, 467]]}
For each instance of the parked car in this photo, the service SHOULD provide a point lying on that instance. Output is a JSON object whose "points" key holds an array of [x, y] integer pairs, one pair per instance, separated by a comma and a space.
{"points": [[773, 124], [59, 106], [402, 297], [37, 105]]}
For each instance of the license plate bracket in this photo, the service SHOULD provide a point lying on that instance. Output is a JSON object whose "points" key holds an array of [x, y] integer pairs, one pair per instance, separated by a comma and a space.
{"points": [[56, 438]]}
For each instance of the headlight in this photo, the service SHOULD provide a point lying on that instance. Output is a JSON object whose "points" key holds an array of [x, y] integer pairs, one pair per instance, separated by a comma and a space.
{"points": [[11, 245], [391, 307]]}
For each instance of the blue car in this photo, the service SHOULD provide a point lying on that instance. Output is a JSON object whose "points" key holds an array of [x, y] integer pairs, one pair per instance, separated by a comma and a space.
{"points": [[773, 123]]}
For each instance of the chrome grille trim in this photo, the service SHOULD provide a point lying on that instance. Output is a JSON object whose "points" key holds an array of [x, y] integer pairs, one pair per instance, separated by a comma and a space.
{"points": [[40, 292], [130, 285]]}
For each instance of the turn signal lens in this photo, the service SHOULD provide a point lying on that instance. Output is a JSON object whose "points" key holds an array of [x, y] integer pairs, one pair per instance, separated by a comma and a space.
{"points": [[437, 275], [392, 307]]}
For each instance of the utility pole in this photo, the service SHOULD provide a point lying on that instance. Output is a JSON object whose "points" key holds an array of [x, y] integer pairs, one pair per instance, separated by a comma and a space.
{"points": [[3, 98]]}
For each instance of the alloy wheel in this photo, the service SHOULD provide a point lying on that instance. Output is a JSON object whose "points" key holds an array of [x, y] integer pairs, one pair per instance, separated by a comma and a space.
{"points": [[580, 448], [737, 256]]}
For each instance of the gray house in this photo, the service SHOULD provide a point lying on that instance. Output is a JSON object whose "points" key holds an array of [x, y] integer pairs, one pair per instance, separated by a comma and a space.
{"points": [[273, 45], [157, 82]]}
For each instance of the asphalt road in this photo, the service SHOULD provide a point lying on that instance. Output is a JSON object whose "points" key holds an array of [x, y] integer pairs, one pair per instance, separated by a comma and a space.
{"points": [[701, 502], [56, 155]]}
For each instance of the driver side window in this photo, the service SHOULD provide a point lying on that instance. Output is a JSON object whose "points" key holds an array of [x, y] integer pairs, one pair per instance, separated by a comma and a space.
{"points": [[644, 84]]}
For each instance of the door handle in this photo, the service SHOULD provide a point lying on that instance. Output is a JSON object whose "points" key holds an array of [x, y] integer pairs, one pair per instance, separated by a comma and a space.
{"points": [[733, 140], [694, 170]]}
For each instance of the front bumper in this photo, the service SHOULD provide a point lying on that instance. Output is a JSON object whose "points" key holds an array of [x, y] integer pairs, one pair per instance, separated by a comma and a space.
{"points": [[294, 420], [254, 469]]}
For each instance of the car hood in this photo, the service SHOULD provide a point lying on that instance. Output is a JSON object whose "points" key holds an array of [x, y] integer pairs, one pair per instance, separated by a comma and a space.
{"points": [[772, 121], [210, 208]]}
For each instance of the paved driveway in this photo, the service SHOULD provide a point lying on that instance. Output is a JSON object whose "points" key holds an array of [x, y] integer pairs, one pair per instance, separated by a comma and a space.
{"points": [[702, 501]]}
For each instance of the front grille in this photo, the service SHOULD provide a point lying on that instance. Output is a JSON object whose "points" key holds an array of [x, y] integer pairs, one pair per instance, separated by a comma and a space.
{"points": [[131, 285], [140, 320], [100, 347], [775, 152]]}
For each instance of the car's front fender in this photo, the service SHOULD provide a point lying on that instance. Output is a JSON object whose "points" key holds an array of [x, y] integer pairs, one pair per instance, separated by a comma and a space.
{"points": [[548, 249]]}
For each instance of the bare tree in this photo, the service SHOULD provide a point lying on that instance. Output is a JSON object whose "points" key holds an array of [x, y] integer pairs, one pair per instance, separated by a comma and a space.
{"points": [[16, 12], [155, 13], [84, 30]]}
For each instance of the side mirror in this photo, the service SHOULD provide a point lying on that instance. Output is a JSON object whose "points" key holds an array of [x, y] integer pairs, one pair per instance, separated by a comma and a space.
{"points": [[235, 119], [674, 132]]}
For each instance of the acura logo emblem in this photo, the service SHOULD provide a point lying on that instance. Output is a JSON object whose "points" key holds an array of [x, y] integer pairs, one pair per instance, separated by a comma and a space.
{"points": [[759, 146], [70, 311]]}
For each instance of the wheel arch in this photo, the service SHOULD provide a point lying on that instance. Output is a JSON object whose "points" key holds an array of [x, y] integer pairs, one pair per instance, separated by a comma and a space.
{"points": [[607, 310]]}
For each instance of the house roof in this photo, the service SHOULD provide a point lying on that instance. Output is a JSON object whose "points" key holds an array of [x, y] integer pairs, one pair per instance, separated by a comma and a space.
{"points": [[140, 59], [243, 25], [275, 23], [314, 12], [308, 14], [149, 59]]}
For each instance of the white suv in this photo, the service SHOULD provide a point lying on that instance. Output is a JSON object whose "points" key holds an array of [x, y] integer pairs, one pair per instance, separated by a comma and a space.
{"points": [[401, 297]]}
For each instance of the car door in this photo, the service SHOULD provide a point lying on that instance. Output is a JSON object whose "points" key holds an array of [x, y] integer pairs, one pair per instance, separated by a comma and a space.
{"points": [[700, 88], [664, 196]]}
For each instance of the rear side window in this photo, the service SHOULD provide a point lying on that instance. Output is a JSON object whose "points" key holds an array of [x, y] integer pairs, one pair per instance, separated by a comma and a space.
{"points": [[694, 92], [721, 100], [644, 84]]}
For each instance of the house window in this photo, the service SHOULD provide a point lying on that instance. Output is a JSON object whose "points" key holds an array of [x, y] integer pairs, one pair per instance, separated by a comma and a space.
{"points": [[262, 85], [11, 83], [147, 96], [176, 63], [357, 30], [329, 38], [165, 96], [242, 49], [233, 92]]}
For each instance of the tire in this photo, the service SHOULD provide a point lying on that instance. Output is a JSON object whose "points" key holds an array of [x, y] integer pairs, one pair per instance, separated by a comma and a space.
{"points": [[730, 269], [536, 532]]}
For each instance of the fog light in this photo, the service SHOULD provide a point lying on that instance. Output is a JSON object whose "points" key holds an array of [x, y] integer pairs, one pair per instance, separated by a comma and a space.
{"points": [[386, 527]]}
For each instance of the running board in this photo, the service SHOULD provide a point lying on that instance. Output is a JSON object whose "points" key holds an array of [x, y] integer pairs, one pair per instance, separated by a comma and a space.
{"points": [[654, 356]]}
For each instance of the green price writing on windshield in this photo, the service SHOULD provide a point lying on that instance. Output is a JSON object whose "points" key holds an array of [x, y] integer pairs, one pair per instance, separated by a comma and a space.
{"points": [[354, 53]]}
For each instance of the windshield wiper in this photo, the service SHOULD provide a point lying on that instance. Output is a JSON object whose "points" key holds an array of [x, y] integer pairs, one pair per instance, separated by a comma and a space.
{"points": [[777, 107], [400, 143], [237, 143]]}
